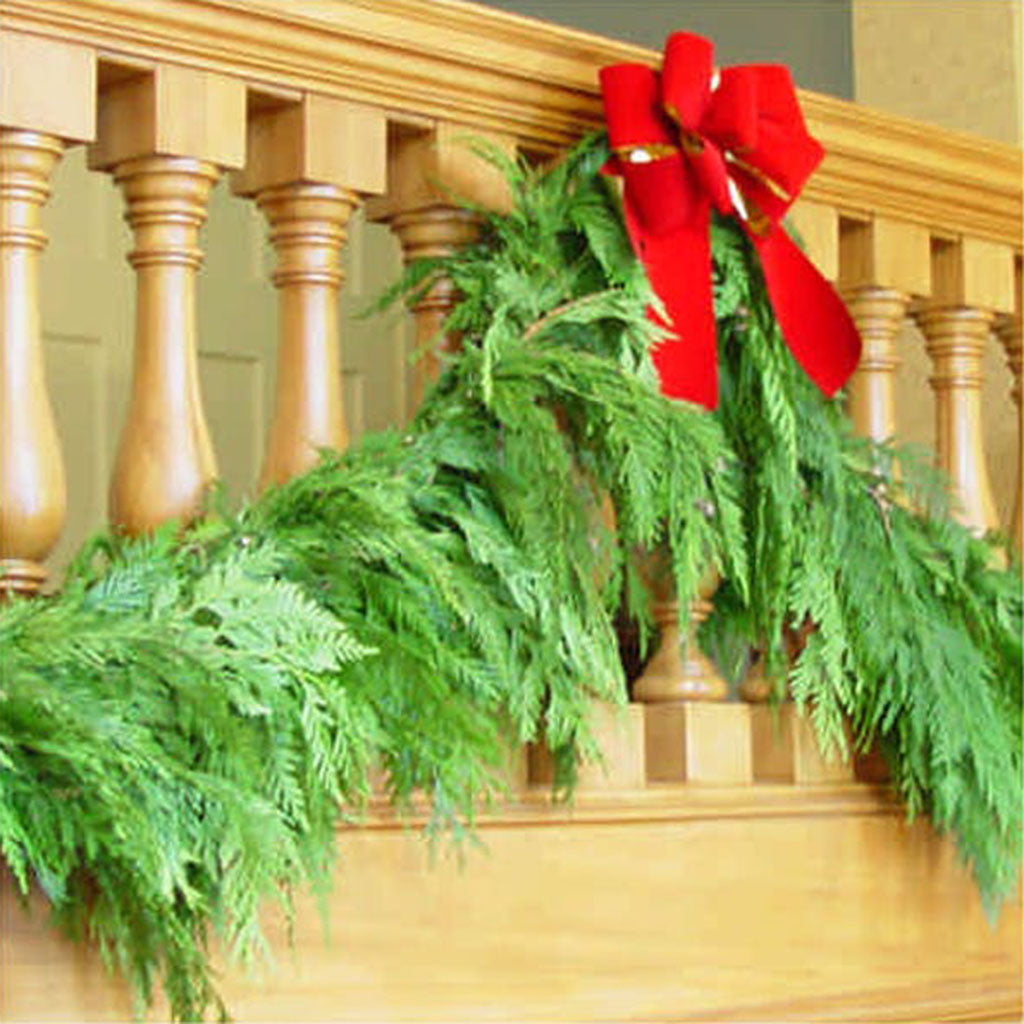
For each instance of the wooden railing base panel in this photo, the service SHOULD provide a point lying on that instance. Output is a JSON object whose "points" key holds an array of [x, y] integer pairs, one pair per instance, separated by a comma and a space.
{"points": [[674, 903]]}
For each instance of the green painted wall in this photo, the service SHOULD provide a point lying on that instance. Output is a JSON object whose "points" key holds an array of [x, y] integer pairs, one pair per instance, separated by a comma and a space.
{"points": [[813, 37]]}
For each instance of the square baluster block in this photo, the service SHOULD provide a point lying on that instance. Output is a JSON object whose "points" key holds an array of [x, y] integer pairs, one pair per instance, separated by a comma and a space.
{"points": [[785, 749], [694, 741], [619, 733]]}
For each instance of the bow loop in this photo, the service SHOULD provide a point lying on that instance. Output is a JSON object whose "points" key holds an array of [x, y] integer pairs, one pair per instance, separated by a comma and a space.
{"points": [[686, 79], [690, 139], [785, 155], [731, 116], [632, 108]]}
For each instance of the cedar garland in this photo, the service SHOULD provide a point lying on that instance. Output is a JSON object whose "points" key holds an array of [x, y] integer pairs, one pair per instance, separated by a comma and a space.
{"points": [[184, 726]]}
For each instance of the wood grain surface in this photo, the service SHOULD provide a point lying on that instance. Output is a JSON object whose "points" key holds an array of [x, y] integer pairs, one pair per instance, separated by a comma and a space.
{"points": [[672, 903]]}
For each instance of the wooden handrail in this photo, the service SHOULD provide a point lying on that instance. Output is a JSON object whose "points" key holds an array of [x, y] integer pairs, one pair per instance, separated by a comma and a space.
{"points": [[490, 70]]}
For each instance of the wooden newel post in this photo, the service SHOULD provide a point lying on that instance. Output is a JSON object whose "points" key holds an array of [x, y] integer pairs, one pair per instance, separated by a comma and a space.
{"points": [[973, 280], [166, 136], [35, 125], [308, 166], [429, 172]]}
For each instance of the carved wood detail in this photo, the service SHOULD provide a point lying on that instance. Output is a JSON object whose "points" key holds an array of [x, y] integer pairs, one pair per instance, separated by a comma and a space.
{"points": [[669, 675]]}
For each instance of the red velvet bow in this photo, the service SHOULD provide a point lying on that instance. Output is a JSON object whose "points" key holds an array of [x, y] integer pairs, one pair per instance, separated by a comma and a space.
{"points": [[691, 138]]}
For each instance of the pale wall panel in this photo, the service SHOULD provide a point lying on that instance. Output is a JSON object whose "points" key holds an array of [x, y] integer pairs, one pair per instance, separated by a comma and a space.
{"points": [[76, 369], [955, 63], [234, 389]]}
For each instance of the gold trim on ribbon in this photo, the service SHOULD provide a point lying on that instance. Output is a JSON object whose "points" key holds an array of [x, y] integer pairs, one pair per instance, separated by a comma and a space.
{"points": [[755, 172], [647, 152]]}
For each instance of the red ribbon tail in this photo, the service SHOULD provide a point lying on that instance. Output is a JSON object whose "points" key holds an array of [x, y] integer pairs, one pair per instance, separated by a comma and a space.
{"points": [[678, 266], [815, 323]]}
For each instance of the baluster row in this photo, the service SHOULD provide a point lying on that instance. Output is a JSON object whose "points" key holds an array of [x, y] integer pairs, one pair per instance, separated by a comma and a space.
{"points": [[166, 134]]}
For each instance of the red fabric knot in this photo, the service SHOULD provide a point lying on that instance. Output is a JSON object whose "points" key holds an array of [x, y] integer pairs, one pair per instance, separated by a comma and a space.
{"points": [[689, 138]]}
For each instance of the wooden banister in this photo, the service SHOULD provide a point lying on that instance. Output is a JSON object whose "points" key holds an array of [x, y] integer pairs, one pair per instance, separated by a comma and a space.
{"points": [[488, 70]]}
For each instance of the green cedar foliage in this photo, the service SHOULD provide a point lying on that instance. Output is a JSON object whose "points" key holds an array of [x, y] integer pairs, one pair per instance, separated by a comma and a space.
{"points": [[173, 745], [184, 725], [913, 629]]}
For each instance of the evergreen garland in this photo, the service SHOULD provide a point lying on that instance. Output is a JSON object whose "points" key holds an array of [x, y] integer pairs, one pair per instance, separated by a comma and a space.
{"points": [[916, 630], [184, 726]]}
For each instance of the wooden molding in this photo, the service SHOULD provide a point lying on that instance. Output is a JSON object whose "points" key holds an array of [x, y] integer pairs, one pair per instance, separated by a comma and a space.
{"points": [[29, 67], [171, 111], [493, 71], [689, 903], [661, 802], [315, 140], [885, 253]]}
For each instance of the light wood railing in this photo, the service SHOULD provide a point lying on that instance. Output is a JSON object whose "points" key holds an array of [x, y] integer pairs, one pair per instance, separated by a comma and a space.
{"points": [[314, 108]]}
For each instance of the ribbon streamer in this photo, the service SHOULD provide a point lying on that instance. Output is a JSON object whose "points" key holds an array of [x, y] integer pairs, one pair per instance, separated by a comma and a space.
{"points": [[691, 138]]}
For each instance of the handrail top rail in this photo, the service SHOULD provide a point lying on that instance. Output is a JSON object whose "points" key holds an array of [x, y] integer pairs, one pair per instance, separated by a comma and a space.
{"points": [[491, 70]]}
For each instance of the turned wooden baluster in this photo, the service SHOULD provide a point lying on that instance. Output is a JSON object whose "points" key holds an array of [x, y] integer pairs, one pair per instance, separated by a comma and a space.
{"points": [[428, 173], [166, 136], [1008, 330], [308, 164], [35, 125], [33, 499], [972, 281], [878, 314], [670, 675], [882, 263], [430, 233]]}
